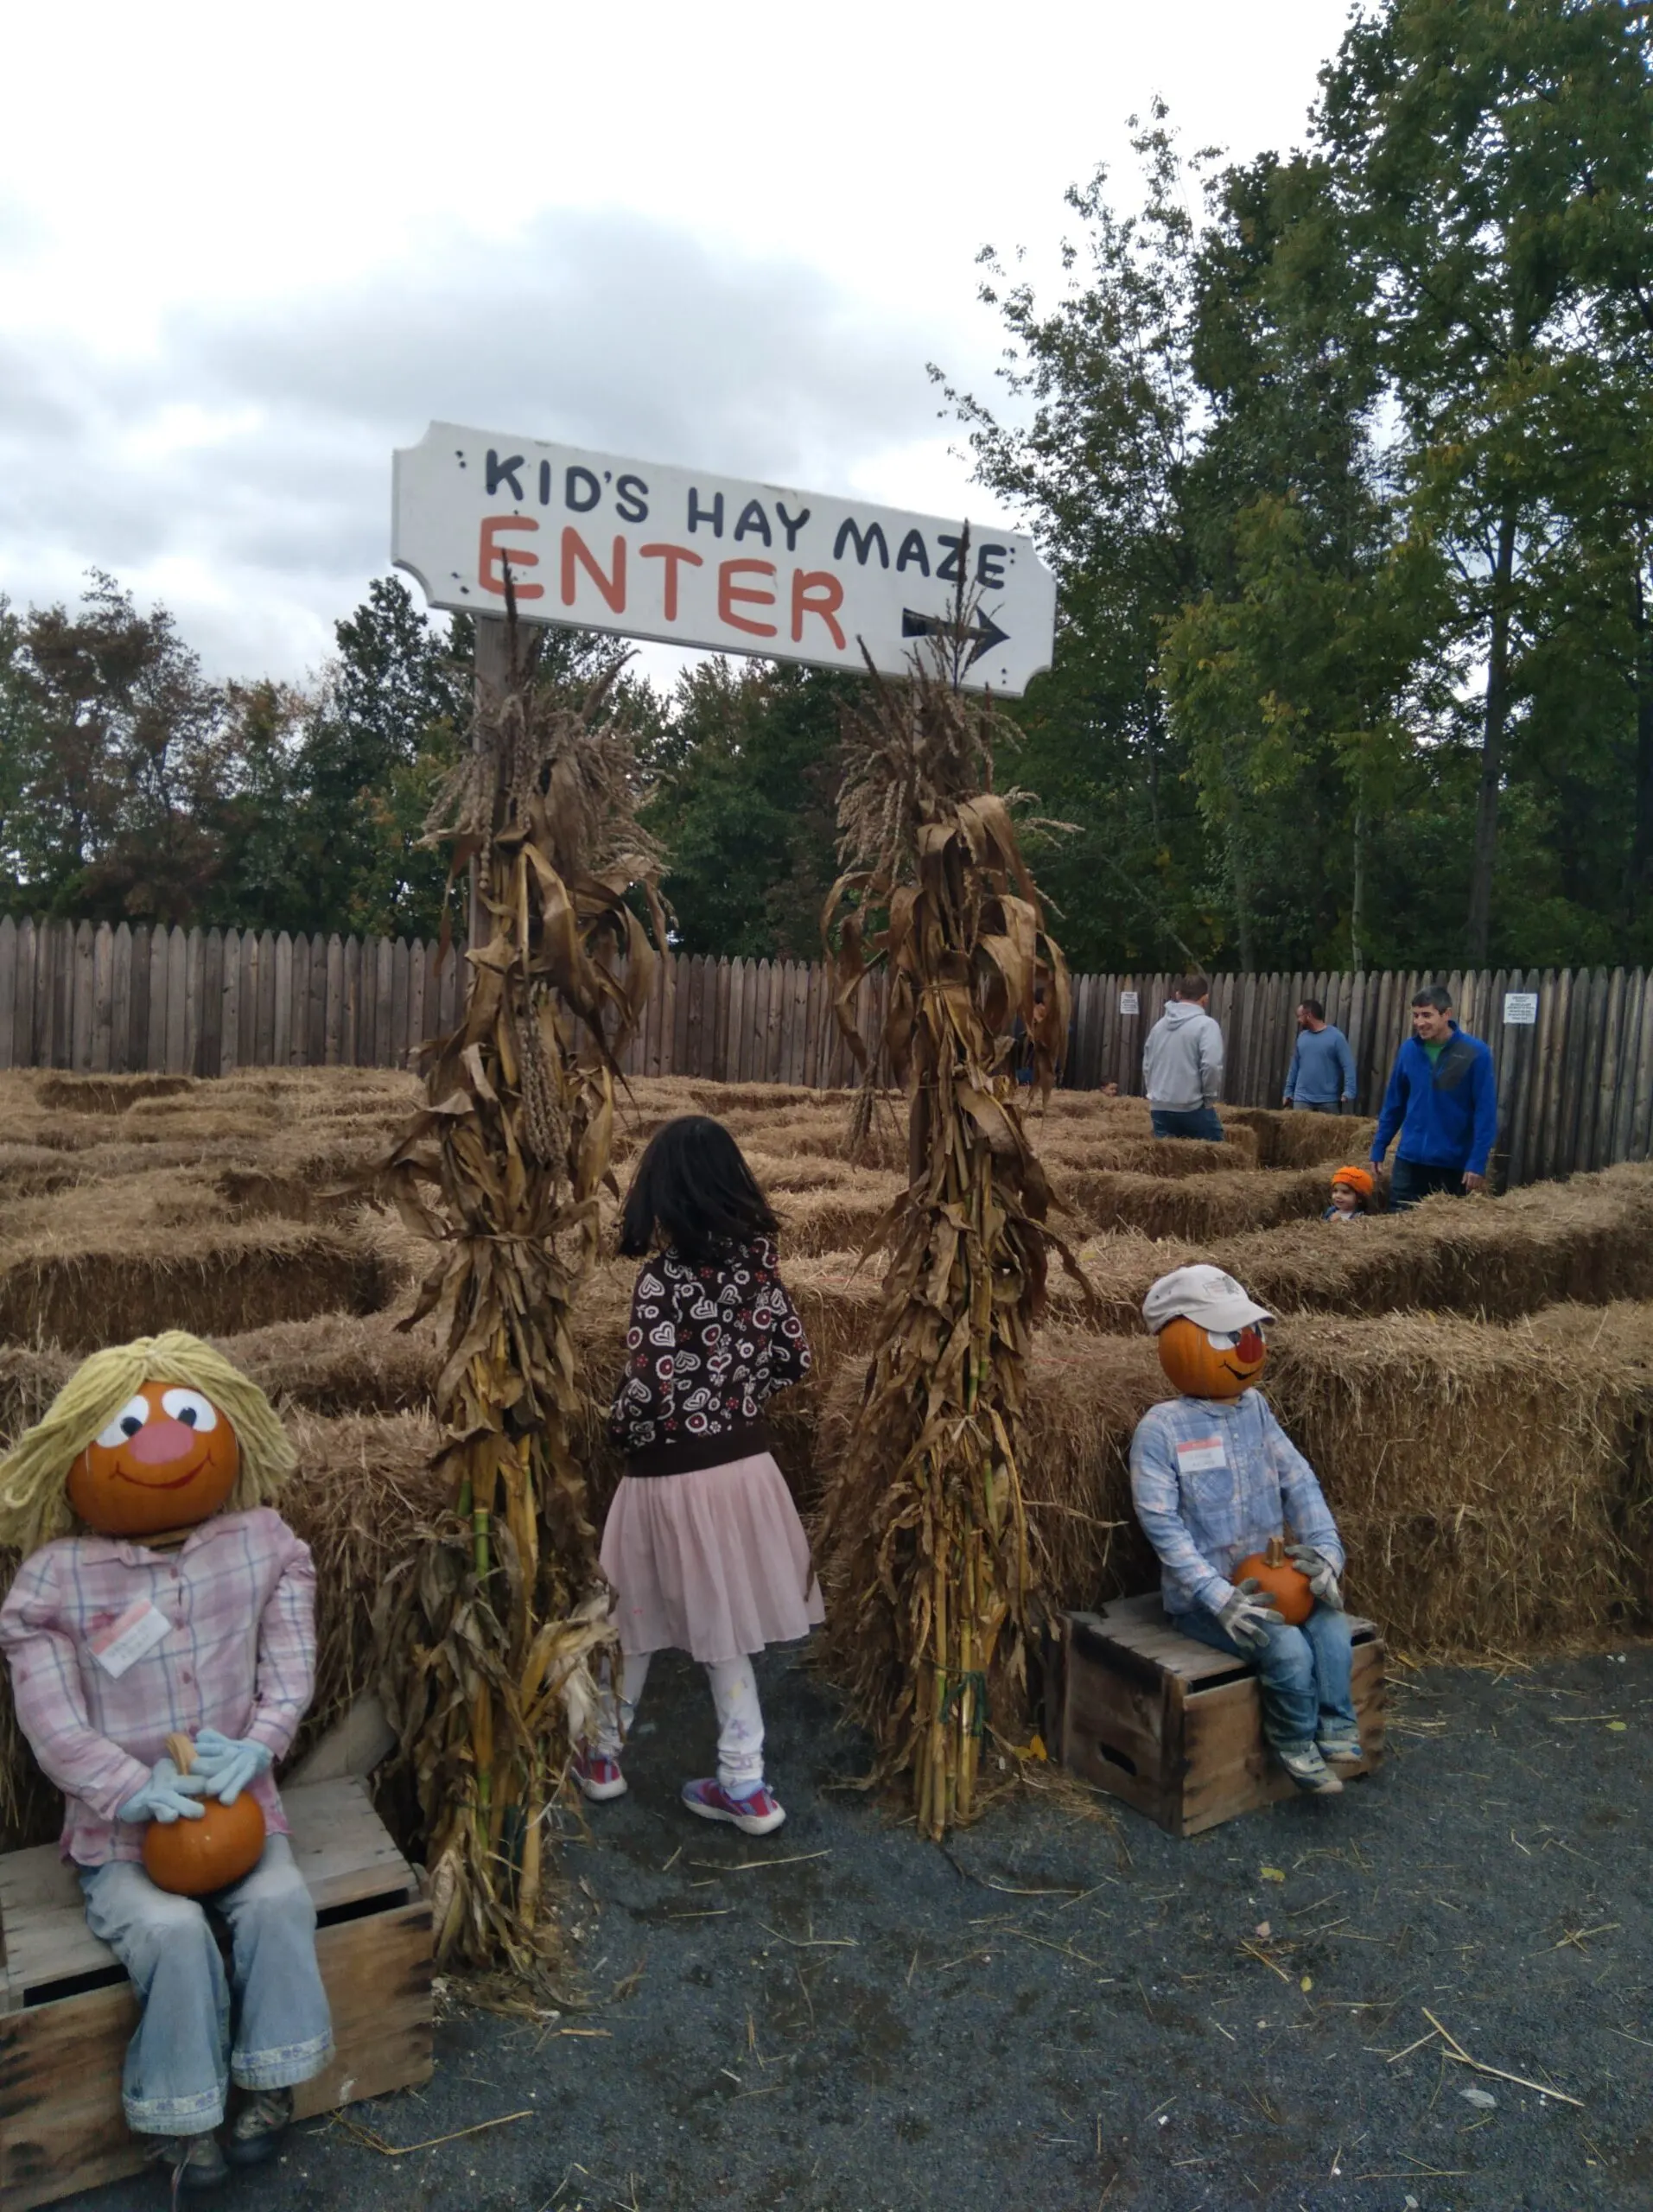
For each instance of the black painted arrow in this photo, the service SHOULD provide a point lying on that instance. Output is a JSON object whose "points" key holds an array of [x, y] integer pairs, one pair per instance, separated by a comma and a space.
{"points": [[982, 635]]}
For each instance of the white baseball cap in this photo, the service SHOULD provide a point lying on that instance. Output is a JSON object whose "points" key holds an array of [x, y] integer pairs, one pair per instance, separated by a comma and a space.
{"points": [[1204, 1295]]}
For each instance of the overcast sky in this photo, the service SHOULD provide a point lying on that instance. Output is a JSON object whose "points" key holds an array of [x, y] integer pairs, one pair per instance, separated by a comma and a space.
{"points": [[245, 253]]}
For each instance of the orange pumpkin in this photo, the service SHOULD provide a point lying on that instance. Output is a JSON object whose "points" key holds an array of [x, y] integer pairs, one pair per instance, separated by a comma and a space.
{"points": [[194, 1857], [167, 1460], [1286, 1584], [1204, 1363]]}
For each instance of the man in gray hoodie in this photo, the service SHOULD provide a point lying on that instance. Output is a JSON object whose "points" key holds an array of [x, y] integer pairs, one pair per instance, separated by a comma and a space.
{"points": [[1182, 1065]]}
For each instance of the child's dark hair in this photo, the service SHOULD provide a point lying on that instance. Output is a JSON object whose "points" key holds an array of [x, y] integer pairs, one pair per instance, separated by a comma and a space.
{"points": [[693, 1185]]}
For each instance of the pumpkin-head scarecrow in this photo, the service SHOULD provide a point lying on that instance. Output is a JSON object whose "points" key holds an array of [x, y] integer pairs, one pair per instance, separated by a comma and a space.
{"points": [[1249, 1555], [161, 1641]]}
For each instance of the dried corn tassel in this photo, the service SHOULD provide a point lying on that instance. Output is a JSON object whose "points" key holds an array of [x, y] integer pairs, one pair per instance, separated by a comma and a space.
{"points": [[487, 1640], [924, 1508]]}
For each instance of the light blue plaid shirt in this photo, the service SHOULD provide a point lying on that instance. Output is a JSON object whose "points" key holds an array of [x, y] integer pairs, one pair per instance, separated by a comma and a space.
{"points": [[1212, 1479]]}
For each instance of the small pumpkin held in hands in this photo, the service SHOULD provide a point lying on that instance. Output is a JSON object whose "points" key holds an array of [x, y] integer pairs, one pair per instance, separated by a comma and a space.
{"points": [[194, 1857], [1206, 1364], [1287, 1584]]}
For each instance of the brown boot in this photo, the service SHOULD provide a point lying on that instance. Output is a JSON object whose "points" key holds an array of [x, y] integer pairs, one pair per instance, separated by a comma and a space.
{"points": [[253, 2135], [190, 2161]]}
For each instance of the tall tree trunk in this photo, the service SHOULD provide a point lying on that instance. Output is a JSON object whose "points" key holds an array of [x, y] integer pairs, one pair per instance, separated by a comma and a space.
{"points": [[1640, 882], [1495, 719], [1357, 893], [1239, 877]]}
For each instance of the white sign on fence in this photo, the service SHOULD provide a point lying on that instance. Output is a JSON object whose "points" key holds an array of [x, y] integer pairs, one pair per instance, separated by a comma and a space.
{"points": [[1129, 1002], [694, 559], [1520, 1008]]}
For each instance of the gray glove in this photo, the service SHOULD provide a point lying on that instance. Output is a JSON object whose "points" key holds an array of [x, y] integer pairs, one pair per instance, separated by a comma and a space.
{"points": [[1322, 1575], [1249, 1616], [167, 1796]]}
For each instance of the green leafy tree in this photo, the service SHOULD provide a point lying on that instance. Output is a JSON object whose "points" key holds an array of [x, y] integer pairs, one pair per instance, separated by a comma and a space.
{"points": [[745, 764], [1491, 164], [392, 712], [1090, 440], [116, 766], [1293, 677]]}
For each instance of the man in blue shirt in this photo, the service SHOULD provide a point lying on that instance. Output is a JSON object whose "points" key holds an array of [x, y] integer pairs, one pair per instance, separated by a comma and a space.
{"points": [[1443, 1099], [1322, 1074]]}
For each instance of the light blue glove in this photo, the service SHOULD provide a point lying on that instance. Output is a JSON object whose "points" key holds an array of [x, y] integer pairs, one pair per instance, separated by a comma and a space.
{"points": [[167, 1796], [228, 1763]]}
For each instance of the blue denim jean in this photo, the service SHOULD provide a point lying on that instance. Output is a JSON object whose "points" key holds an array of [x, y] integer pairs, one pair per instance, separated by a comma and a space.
{"points": [[1411, 1180], [1303, 1673], [1192, 1121], [180, 2063]]}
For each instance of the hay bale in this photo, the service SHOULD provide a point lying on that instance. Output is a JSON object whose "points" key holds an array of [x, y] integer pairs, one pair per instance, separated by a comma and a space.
{"points": [[1067, 1151], [1485, 1479], [1195, 1207], [1589, 1241], [228, 1279], [1286, 1137], [338, 1363], [835, 1219], [30, 1377], [107, 1094], [363, 1490]]}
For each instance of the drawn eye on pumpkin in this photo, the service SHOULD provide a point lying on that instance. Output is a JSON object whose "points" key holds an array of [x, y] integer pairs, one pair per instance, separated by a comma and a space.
{"points": [[125, 1424], [1223, 1339], [192, 1410]]}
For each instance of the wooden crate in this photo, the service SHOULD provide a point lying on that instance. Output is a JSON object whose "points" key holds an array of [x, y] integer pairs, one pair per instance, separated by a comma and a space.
{"points": [[67, 2011], [1172, 1727]]}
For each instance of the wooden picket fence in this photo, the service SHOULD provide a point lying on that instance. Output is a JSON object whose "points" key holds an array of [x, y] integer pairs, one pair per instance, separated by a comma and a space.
{"points": [[1575, 1083], [106, 1000]]}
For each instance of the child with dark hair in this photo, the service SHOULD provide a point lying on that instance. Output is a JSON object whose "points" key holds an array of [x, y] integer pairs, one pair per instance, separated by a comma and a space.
{"points": [[703, 1542]]}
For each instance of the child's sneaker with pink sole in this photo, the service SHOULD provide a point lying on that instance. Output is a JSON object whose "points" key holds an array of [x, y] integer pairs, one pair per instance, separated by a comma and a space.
{"points": [[598, 1775], [756, 1813]]}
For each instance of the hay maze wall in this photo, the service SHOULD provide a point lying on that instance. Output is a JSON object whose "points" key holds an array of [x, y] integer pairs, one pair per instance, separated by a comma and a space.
{"points": [[1473, 1381]]}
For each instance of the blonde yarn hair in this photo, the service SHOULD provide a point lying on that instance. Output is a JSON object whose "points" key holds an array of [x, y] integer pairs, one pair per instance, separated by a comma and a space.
{"points": [[33, 1498]]}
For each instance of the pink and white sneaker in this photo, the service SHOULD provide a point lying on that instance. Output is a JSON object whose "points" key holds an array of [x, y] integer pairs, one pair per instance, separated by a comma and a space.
{"points": [[755, 1814], [598, 1775]]}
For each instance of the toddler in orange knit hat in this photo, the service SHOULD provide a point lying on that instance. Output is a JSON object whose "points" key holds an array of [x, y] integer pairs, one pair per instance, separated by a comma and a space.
{"points": [[1352, 1195]]}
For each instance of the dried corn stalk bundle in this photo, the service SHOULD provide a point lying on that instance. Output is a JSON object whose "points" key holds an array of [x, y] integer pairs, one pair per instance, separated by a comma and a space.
{"points": [[924, 1515], [486, 1638]]}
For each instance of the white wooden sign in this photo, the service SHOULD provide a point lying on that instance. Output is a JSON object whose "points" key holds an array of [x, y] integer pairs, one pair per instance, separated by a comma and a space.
{"points": [[1129, 1002], [695, 559], [1520, 1008]]}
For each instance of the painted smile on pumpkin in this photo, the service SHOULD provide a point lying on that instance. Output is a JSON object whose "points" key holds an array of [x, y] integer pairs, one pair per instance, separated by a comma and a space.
{"points": [[173, 1482], [1240, 1374]]}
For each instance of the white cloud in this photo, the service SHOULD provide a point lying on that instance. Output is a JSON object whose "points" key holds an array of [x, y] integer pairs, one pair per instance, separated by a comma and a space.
{"points": [[245, 254]]}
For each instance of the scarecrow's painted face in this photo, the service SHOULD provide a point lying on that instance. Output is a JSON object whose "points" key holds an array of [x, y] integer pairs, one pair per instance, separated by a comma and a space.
{"points": [[1211, 1363], [167, 1459]]}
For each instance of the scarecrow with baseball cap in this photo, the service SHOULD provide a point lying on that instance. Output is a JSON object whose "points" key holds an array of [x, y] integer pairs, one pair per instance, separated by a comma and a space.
{"points": [[1214, 1478]]}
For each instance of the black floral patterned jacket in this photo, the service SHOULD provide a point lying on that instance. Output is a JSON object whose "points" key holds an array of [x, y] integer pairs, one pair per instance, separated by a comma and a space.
{"points": [[707, 1346]]}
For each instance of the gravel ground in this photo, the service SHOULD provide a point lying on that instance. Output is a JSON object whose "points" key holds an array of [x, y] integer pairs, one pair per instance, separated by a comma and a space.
{"points": [[1068, 2009]]}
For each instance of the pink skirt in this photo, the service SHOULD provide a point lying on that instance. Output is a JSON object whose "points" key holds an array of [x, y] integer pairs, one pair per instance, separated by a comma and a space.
{"points": [[714, 1563]]}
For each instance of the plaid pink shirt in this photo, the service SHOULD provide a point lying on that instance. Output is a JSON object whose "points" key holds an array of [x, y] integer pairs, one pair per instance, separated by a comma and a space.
{"points": [[239, 1657]]}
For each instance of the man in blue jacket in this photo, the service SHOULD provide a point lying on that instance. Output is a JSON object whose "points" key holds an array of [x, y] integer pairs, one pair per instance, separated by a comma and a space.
{"points": [[1321, 1077], [1443, 1099]]}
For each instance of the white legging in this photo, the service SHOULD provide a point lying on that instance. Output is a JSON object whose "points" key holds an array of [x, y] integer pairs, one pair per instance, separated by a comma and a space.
{"points": [[740, 1716]]}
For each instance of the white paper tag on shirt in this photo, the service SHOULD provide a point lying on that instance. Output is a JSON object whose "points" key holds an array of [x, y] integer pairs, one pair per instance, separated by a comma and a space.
{"points": [[125, 1642], [1199, 1456]]}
